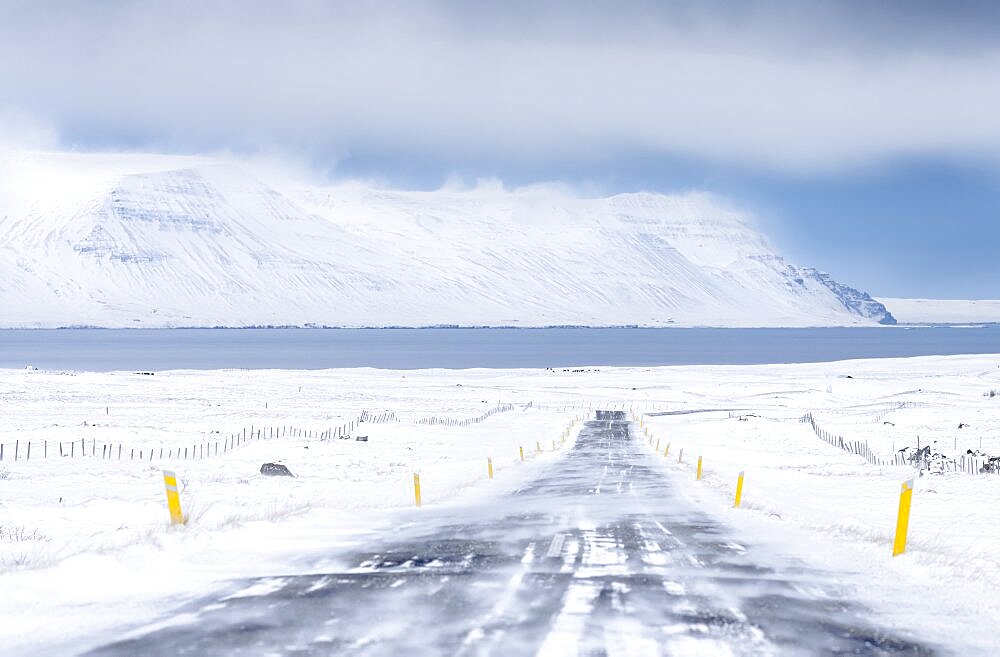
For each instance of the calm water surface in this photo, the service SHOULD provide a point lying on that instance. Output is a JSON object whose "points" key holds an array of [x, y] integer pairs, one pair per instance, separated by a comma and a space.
{"points": [[162, 349]]}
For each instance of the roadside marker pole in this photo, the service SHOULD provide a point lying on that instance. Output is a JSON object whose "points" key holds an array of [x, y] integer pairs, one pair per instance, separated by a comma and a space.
{"points": [[680, 456], [739, 491], [416, 488], [538, 447], [698, 476], [522, 453], [553, 445], [657, 444], [173, 498], [903, 520], [489, 466]]}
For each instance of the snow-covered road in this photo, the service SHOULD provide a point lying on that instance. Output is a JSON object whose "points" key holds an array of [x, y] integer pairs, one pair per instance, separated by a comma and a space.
{"points": [[599, 554]]}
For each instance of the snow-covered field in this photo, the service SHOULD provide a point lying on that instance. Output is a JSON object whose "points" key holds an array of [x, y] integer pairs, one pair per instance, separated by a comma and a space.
{"points": [[86, 550], [944, 311]]}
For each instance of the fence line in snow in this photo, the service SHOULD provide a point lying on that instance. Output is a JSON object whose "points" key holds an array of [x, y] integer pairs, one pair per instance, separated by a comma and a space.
{"points": [[20, 450], [453, 422], [878, 419], [921, 459]]}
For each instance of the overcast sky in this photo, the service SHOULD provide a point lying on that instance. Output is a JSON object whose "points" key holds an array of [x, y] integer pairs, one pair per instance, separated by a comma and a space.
{"points": [[864, 135]]}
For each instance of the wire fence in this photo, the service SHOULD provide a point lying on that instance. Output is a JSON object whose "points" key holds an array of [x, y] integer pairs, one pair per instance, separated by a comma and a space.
{"points": [[922, 459], [455, 422], [21, 450]]}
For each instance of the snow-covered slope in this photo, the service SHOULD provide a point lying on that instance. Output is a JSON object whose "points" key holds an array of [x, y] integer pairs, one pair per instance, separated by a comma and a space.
{"points": [[944, 311], [164, 241]]}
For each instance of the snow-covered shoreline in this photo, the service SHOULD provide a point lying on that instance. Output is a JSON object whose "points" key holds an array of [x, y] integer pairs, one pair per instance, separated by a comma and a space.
{"points": [[944, 311], [87, 540]]}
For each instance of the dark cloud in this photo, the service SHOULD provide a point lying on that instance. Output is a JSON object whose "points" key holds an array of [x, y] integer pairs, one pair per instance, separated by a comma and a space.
{"points": [[788, 86]]}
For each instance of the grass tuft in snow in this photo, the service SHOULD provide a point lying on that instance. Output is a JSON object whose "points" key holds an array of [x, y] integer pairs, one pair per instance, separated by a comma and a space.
{"points": [[19, 534]]}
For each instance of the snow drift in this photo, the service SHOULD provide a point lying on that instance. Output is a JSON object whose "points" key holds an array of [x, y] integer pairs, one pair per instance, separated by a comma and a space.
{"points": [[131, 240]]}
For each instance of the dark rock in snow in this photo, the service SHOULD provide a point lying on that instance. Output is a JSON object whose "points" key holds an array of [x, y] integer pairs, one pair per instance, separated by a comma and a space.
{"points": [[362, 439], [275, 470]]}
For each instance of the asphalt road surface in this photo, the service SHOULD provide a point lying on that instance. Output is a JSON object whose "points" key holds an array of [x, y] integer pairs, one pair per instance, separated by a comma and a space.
{"points": [[597, 556]]}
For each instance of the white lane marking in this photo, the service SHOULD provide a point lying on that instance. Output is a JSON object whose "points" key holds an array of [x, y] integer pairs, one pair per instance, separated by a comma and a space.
{"points": [[556, 546]]}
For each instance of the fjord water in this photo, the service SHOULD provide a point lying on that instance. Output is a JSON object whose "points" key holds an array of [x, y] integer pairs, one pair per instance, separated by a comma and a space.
{"points": [[164, 349]]}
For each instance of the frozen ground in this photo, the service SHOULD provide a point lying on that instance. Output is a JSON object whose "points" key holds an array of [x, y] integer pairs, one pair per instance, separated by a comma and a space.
{"points": [[944, 311], [86, 556]]}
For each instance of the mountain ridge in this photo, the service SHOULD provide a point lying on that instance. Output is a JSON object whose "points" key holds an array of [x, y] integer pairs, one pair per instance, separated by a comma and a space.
{"points": [[193, 242]]}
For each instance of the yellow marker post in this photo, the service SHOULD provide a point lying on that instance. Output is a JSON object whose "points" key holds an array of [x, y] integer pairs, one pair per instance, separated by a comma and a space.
{"points": [[521, 449], [416, 488], [657, 444], [739, 491], [489, 466], [538, 447], [903, 520], [666, 451], [698, 476], [173, 498]]}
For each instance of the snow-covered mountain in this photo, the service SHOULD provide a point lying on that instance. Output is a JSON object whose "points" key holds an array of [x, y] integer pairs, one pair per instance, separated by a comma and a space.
{"points": [[167, 241]]}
